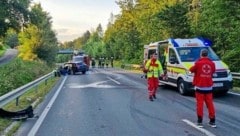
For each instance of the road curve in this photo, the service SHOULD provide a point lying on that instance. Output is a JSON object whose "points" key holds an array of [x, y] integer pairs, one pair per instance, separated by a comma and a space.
{"points": [[8, 56]]}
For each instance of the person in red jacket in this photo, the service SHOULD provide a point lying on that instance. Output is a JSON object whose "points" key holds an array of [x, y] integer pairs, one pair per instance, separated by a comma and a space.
{"points": [[203, 70]]}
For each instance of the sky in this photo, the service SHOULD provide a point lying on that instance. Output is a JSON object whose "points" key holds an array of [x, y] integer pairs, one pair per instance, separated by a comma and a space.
{"points": [[72, 18]]}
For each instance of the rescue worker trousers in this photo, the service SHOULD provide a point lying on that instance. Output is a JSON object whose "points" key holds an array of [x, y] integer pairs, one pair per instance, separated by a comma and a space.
{"points": [[208, 99], [152, 85]]}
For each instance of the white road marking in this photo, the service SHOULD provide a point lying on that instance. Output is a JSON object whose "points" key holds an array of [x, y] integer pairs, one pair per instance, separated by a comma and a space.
{"points": [[114, 80], [94, 85], [37, 125], [206, 132], [234, 93]]}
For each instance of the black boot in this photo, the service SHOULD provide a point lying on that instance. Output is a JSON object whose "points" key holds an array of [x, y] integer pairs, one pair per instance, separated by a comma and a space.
{"points": [[199, 122], [150, 98], [154, 96]]}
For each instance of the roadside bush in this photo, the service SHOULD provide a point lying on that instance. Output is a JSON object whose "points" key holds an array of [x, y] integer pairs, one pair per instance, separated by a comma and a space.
{"points": [[19, 72], [1, 47]]}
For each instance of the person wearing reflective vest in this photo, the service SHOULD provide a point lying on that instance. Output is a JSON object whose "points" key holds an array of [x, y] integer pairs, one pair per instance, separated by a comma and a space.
{"points": [[154, 70], [203, 70]]}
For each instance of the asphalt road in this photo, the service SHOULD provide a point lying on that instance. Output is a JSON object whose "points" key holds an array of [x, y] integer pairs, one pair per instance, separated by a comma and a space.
{"points": [[8, 56], [108, 102]]}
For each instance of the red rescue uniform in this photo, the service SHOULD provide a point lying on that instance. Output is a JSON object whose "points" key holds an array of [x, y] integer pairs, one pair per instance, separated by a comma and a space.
{"points": [[203, 71], [154, 69]]}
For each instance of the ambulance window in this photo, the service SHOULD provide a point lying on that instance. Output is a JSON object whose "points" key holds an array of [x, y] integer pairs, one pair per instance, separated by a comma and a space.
{"points": [[172, 56], [162, 56], [191, 54]]}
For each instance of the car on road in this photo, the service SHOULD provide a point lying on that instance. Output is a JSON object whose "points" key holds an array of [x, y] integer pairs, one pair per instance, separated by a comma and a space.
{"points": [[75, 67]]}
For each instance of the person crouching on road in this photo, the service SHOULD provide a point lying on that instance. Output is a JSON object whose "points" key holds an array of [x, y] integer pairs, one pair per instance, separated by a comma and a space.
{"points": [[203, 70], [154, 70]]}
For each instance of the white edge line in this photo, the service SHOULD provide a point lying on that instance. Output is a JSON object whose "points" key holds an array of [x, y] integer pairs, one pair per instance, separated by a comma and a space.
{"points": [[234, 93], [36, 126], [114, 80], [196, 127]]}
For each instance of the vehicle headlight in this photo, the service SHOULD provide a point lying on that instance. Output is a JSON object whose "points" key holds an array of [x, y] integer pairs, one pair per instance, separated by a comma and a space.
{"points": [[215, 74], [189, 73], [229, 72]]}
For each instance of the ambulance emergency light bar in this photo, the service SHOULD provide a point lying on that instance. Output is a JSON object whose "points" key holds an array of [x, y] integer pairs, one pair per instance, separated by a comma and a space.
{"points": [[190, 42]]}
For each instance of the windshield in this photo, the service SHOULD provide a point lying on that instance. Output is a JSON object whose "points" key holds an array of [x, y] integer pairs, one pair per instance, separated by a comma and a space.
{"points": [[78, 58], [193, 53]]}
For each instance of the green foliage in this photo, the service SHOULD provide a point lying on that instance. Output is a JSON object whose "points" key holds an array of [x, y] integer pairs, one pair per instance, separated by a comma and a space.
{"points": [[95, 46], [11, 38], [29, 40], [144, 21], [63, 58], [1, 47], [28, 70], [47, 45], [175, 20], [219, 20], [13, 14], [78, 43]]}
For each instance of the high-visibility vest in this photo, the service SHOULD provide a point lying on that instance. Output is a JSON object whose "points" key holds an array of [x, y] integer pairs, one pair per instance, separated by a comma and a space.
{"points": [[154, 68]]}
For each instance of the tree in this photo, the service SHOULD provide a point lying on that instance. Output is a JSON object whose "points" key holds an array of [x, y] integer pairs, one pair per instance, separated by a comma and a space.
{"points": [[29, 42], [13, 14], [11, 38], [175, 20], [219, 20], [48, 46]]}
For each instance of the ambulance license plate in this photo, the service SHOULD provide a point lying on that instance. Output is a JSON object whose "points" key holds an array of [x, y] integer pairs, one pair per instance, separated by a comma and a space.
{"points": [[217, 84]]}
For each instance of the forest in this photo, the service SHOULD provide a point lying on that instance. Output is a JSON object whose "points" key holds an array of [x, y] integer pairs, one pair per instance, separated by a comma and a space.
{"points": [[144, 21], [28, 27]]}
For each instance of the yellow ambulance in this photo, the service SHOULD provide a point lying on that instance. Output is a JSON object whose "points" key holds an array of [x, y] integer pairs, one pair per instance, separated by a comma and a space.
{"points": [[178, 55]]}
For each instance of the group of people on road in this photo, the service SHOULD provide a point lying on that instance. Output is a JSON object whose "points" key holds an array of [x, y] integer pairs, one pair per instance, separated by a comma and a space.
{"points": [[203, 70], [103, 62]]}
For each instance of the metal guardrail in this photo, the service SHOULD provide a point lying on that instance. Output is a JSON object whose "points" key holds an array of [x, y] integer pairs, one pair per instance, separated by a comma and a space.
{"points": [[235, 75], [15, 94]]}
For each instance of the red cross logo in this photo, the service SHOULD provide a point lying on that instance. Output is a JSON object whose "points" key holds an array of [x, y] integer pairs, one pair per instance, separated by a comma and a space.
{"points": [[206, 69]]}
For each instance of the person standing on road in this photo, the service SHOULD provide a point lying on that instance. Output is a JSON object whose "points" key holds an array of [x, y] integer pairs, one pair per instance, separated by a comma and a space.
{"points": [[153, 69], [112, 62], [203, 70]]}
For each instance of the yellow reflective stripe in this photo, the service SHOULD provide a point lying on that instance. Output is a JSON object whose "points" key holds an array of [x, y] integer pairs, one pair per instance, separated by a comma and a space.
{"points": [[188, 65], [176, 69]]}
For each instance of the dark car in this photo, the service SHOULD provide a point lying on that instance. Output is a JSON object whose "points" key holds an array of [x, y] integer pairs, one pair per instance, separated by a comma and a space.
{"points": [[74, 67]]}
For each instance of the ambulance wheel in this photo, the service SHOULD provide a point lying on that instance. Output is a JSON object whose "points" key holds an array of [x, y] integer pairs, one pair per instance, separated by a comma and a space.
{"points": [[181, 87]]}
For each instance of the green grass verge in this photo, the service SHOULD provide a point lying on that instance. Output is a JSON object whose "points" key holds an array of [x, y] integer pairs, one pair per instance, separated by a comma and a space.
{"points": [[236, 89], [2, 50], [37, 93], [18, 72]]}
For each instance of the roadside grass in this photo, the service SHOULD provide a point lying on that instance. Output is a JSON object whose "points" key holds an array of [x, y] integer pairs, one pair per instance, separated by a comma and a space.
{"points": [[236, 85], [236, 89], [35, 95], [18, 72], [2, 50]]}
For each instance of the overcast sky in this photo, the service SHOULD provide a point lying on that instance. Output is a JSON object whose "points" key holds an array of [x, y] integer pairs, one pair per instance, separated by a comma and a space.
{"points": [[71, 18]]}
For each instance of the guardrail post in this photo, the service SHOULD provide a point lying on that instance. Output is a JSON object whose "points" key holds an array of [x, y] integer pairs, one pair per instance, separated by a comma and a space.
{"points": [[36, 88], [46, 82], [17, 101]]}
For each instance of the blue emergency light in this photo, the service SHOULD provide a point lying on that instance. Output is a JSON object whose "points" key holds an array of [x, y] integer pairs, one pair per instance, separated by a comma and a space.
{"points": [[206, 41]]}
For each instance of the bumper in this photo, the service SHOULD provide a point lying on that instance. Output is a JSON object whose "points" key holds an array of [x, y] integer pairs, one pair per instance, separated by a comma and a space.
{"points": [[220, 86]]}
